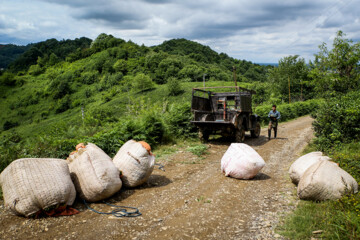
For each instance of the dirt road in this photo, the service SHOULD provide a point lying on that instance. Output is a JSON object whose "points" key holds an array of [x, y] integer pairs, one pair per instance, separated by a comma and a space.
{"points": [[192, 199]]}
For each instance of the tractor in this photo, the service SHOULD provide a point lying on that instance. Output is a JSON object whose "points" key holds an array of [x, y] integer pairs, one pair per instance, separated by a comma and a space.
{"points": [[220, 111]]}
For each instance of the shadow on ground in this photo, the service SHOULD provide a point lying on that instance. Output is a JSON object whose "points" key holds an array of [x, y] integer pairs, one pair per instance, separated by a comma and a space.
{"points": [[154, 181], [261, 177], [254, 142]]}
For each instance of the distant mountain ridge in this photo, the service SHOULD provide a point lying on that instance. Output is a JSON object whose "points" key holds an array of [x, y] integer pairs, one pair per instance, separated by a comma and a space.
{"points": [[10, 52], [268, 64], [49, 50]]}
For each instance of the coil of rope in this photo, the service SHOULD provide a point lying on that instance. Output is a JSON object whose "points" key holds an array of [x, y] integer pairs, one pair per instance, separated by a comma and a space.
{"points": [[119, 211], [161, 167]]}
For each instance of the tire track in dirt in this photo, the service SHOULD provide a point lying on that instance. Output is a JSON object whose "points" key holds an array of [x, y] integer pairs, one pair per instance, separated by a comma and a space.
{"points": [[189, 201]]}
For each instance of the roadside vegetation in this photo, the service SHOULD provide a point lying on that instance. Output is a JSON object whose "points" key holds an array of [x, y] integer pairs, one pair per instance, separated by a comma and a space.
{"points": [[337, 134]]}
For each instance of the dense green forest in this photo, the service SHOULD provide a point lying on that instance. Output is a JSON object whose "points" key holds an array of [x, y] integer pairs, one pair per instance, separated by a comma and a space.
{"points": [[10, 52], [58, 93]]}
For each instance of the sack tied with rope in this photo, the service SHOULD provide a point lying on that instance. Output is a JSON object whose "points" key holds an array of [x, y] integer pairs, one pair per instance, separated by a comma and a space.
{"points": [[94, 174]]}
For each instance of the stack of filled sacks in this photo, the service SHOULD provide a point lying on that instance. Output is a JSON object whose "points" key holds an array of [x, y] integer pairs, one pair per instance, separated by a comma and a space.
{"points": [[45, 185], [33, 185], [136, 163], [320, 179], [93, 172], [241, 161]]}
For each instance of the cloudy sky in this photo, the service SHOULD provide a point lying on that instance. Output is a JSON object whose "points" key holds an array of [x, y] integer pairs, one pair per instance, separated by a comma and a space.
{"points": [[255, 30]]}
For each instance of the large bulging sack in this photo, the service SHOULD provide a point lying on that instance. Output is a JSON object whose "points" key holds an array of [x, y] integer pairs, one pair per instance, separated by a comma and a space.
{"points": [[33, 184], [135, 162], [241, 161], [325, 180], [93, 172], [298, 168]]}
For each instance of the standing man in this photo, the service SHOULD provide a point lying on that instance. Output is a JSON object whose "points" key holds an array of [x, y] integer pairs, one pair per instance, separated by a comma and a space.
{"points": [[274, 116]]}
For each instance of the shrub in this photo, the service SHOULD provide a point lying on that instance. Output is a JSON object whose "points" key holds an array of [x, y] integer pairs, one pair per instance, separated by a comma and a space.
{"points": [[337, 120], [21, 112], [88, 92], [30, 99], [192, 71], [9, 148], [7, 79], [153, 129], [177, 120], [60, 86], [110, 80], [97, 116], [89, 77], [63, 104], [348, 157], [35, 70], [289, 111], [120, 66], [148, 128], [174, 87], [77, 103], [142, 82], [44, 114], [10, 124]]}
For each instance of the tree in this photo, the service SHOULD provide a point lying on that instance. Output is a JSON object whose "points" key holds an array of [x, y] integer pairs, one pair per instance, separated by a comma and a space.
{"points": [[337, 69], [120, 66], [53, 59], [104, 41], [192, 71], [35, 70], [7, 79], [174, 87], [142, 82], [60, 86], [152, 60], [291, 70], [168, 67]]}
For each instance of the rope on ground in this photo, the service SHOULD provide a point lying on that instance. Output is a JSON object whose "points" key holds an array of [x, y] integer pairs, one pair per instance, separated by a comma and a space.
{"points": [[161, 167], [119, 211]]}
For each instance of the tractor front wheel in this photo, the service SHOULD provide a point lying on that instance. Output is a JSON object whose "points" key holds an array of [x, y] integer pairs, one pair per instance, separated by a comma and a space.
{"points": [[256, 132], [240, 135]]}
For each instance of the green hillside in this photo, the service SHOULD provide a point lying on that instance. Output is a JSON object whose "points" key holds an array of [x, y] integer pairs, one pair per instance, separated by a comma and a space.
{"points": [[70, 74], [60, 92]]}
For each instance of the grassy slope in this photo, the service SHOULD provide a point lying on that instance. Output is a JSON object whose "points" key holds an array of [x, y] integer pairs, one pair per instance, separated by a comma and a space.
{"points": [[33, 123]]}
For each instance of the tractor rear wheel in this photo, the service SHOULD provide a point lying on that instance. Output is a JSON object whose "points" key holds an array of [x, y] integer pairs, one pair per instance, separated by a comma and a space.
{"points": [[256, 132], [240, 135], [204, 135]]}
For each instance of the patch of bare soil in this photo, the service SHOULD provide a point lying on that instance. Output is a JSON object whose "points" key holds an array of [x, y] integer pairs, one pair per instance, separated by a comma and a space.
{"points": [[192, 199]]}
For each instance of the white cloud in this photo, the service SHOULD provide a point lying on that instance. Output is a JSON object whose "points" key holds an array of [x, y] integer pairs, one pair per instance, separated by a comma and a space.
{"points": [[256, 30]]}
